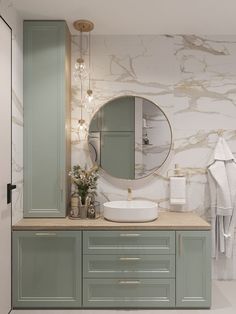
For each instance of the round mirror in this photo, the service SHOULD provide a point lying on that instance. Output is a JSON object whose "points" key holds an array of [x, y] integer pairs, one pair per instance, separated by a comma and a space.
{"points": [[129, 137]]}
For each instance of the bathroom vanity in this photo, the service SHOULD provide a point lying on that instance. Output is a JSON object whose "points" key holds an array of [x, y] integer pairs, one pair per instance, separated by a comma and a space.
{"points": [[62, 263]]}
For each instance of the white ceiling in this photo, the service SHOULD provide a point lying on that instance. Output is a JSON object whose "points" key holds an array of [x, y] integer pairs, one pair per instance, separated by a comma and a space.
{"points": [[138, 16]]}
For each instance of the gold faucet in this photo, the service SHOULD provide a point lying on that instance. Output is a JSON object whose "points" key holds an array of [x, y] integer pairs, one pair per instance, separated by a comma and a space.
{"points": [[129, 198]]}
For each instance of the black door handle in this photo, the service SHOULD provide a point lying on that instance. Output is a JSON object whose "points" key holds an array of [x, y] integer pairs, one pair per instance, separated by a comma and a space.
{"points": [[10, 187]]}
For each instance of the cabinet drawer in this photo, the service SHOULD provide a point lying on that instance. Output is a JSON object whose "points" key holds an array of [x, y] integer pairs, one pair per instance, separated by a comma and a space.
{"points": [[129, 266], [131, 242], [129, 293]]}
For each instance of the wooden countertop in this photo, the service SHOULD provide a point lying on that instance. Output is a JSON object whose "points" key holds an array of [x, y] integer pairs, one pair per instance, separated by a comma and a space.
{"points": [[165, 221]]}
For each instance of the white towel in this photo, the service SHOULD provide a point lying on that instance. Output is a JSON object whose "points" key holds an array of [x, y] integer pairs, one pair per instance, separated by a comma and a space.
{"points": [[177, 190], [221, 152], [222, 183]]}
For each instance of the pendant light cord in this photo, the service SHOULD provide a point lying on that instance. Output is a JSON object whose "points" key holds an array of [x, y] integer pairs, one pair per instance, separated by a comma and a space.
{"points": [[81, 39], [81, 99], [81, 83], [89, 47]]}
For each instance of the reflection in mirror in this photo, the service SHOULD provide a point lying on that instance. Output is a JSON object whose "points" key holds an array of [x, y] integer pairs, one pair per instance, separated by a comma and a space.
{"points": [[129, 137]]}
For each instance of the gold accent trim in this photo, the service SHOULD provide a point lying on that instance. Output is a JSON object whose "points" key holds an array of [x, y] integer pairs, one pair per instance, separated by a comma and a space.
{"points": [[83, 26], [45, 234], [80, 60], [130, 258], [129, 234], [129, 282]]}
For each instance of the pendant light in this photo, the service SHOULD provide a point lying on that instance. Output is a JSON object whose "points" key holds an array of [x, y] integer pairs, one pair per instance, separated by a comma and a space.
{"points": [[81, 73], [82, 128], [89, 99]]}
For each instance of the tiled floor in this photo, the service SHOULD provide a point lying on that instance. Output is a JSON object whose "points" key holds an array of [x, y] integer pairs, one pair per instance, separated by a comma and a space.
{"points": [[223, 302]]}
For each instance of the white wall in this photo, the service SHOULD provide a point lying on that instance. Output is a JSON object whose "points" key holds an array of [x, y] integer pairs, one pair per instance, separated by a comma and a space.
{"points": [[16, 23]]}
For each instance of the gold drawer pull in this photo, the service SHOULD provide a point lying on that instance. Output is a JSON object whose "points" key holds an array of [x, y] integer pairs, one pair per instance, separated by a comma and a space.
{"points": [[129, 282], [45, 234], [130, 258], [129, 234]]}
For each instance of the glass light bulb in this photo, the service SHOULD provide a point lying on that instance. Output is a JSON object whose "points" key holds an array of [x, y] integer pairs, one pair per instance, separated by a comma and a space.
{"points": [[89, 101], [80, 69], [82, 130]]}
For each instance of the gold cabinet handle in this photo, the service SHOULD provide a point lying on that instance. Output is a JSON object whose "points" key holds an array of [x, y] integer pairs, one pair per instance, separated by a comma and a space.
{"points": [[129, 282], [129, 234], [45, 234], [130, 258]]}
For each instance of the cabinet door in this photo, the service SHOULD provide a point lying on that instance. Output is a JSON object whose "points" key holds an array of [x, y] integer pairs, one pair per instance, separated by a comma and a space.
{"points": [[193, 269], [46, 269], [46, 49]]}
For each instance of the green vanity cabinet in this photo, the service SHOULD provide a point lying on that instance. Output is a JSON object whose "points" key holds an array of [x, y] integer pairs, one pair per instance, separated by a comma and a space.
{"points": [[193, 269], [111, 269], [46, 118], [47, 269]]}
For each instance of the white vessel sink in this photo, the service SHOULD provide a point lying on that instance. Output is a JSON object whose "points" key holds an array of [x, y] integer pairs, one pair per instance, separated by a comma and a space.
{"points": [[130, 211]]}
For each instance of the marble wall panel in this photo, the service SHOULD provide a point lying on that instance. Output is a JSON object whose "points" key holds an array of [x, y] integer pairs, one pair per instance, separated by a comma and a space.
{"points": [[192, 78]]}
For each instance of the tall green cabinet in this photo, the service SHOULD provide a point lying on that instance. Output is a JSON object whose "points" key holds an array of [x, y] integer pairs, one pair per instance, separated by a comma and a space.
{"points": [[46, 118]]}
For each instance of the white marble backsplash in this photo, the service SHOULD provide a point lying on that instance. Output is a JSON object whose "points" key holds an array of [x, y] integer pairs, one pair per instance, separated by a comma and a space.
{"points": [[193, 80]]}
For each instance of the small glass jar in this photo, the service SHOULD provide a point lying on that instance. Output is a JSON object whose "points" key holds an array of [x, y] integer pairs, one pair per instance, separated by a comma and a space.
{"points": [[83, 211], [94, 210]]}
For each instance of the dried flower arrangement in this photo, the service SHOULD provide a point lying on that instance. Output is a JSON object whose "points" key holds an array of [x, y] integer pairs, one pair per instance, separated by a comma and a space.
{"points": [[85, 181]]}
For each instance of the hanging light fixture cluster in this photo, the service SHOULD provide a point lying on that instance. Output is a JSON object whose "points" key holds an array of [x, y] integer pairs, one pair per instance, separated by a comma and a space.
{"points": [[81, 74]]}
